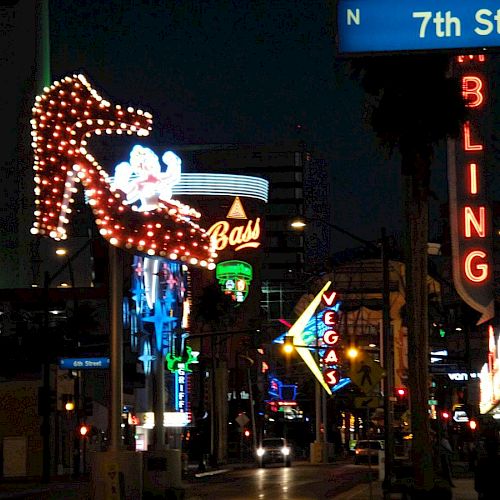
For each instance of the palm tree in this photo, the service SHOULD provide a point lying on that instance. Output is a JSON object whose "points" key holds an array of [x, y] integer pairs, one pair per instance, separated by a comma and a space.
{"points": [[414, 104]]}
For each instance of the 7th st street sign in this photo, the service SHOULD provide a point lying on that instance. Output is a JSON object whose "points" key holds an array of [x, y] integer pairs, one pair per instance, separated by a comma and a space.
{"points": [[368, 26]]}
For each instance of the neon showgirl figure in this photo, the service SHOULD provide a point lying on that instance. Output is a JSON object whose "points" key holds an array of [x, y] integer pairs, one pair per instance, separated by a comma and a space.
{"points": [[144, 183]]}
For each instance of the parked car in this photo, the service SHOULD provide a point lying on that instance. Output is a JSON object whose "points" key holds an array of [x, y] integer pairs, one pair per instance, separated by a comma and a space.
{"points": [[274, 450], [367, 451]]}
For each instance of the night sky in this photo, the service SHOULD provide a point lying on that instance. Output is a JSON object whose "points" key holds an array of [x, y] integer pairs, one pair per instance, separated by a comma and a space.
{"points": [[238, 72]]}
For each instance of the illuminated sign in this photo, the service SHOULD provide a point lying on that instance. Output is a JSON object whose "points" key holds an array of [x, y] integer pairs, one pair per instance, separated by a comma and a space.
{"points": [[282, 392], [330, 338], [490, 375], [234, 277], [206, 184], [146, 357], [306, 331], [411, 25], [182, 363], [64, 117], [170, 419], [181, 393], [158, 295], [470, 214], [237, 236]]}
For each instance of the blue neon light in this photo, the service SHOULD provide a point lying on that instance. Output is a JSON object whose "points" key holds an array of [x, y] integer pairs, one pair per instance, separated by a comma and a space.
{"points": [[366, 26]]}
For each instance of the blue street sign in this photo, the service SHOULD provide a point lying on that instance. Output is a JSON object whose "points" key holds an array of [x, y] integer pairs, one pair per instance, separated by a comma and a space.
{"points": [[367, 26], [83, 363]]}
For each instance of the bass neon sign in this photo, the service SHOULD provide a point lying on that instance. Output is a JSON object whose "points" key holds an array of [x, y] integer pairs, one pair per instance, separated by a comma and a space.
{"points": [[237, 236], [470, 215]]}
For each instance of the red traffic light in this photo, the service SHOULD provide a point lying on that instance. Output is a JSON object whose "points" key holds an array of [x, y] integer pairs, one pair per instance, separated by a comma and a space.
{"points": [[247, 433], [402, 392], [445, 415], [472, 425], [83, 430]]}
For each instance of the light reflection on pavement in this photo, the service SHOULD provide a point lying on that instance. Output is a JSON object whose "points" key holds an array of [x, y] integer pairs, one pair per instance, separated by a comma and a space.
{"points": [[300, 482]]}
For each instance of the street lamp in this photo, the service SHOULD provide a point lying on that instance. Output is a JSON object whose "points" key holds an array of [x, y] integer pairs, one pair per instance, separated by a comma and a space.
{"points": [[300, 223]]}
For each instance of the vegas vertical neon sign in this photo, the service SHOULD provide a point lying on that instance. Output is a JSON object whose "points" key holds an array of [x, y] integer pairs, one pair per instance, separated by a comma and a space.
{"points": [[470, 214]]}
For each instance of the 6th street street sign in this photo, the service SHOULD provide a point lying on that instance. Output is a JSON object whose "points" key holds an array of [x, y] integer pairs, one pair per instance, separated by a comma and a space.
{"points": [[367, 26]]}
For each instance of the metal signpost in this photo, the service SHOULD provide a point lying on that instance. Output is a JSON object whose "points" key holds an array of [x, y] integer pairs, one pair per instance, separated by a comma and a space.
{"points": [[368, 26]]}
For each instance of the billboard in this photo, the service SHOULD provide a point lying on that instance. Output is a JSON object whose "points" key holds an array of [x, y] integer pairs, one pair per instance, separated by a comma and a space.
{"points": [[367, 26]]}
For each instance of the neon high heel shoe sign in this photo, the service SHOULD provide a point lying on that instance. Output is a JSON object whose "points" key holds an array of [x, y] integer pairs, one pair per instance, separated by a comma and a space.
{"points": [[64, 117]]}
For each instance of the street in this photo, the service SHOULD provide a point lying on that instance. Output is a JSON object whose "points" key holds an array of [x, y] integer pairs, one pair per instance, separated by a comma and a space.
{"points": [[301, 481]]}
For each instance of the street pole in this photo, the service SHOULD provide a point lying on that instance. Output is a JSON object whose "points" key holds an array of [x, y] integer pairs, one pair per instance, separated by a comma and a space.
{"points": [[388, 359], [46, 389], [116, 345]]}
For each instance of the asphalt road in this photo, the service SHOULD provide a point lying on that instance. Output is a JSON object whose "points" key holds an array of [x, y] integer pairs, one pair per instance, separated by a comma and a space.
{"points": [[302, 481]]}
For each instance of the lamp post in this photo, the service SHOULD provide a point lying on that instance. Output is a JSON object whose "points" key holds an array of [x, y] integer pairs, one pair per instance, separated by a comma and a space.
{"points": [[387, 342]]}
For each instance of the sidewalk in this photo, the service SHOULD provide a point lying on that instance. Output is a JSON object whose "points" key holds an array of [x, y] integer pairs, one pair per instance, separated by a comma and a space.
{"points": [[464, 490]]}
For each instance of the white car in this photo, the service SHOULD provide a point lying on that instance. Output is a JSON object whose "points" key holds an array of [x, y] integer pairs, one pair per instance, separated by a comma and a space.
{"points": [[274, 450], [367, 450]]}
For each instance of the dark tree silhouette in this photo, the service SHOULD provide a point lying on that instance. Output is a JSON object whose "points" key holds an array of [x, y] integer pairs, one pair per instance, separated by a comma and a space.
{"points": [[413, 105]]}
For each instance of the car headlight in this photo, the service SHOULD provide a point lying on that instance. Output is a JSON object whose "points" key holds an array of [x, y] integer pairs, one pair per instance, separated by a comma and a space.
{"points": [[285, 450], [260, 452]]}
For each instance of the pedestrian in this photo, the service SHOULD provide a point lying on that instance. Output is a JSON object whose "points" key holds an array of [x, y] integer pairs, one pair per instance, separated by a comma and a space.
{"points": [[445, 454], [486, 473]]}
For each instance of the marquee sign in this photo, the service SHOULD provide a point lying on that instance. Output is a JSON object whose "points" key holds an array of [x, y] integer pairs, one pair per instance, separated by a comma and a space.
{"points": [[367, 26], [470, 214]]}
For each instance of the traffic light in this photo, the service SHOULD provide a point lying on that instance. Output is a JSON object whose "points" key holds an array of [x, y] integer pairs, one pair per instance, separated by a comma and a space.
{"points": [[47, 401], [68, 402], [445, 415], [83, 430], [401, 392], [472, 425], [246, 433], [88, 406]]}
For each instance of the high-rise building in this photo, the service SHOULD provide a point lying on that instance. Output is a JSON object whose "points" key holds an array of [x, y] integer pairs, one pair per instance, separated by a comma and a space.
{"points": [[299, 186]]}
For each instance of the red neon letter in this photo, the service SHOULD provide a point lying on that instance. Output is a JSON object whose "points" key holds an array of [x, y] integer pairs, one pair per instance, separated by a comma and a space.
{"points": [[467, 144], [472, 86], [329, 298], [330, 357], [331, 377], [330, 337], [482, 268], [330, 318], [473, 178], [471, 220]]}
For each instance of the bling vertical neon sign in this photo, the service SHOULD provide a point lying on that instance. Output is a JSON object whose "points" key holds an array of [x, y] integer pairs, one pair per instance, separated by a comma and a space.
{"points": [[470, 215]]}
